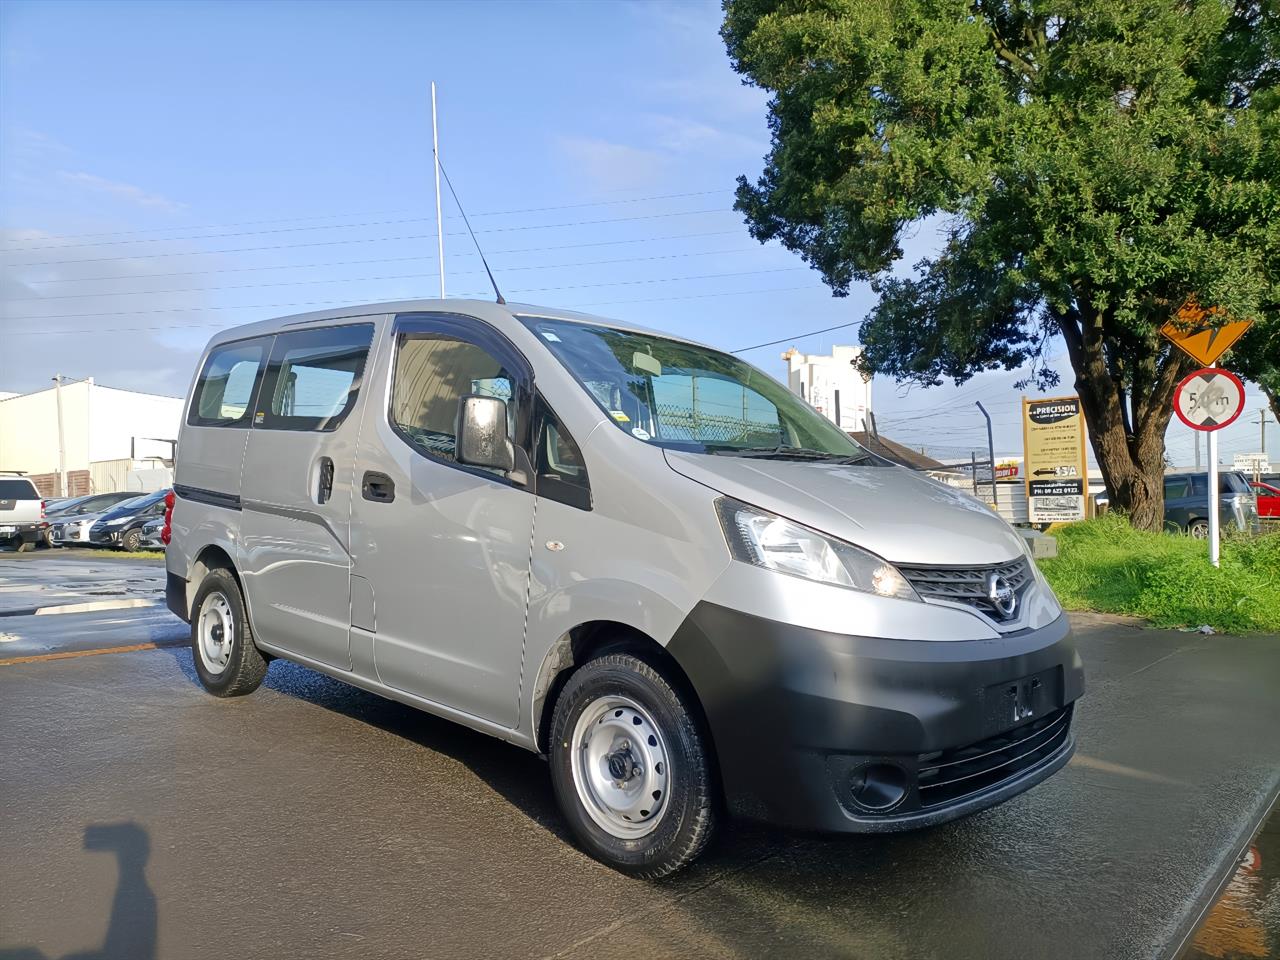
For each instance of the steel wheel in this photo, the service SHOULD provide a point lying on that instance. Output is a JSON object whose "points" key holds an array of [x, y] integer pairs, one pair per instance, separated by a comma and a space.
{"points": [[217, 631], [620, 767]]}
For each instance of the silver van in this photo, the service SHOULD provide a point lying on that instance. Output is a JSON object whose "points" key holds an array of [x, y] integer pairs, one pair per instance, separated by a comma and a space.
{"points": [[638, 556]]}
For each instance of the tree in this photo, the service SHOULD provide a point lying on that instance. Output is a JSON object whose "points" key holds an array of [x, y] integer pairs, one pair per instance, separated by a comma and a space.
{"points": [[1093, 166]]}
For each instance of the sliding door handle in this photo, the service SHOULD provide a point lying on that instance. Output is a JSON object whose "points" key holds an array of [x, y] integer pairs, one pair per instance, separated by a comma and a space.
{"points": [[378, 487]]}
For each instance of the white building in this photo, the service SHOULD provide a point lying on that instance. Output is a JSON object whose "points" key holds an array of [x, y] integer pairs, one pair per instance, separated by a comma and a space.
{"points": [[110, 437], [832, 385]]}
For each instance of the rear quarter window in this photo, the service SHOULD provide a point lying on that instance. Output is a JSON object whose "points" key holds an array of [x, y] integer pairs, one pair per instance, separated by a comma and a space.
{"points": [[18, 489], [228, 383]]}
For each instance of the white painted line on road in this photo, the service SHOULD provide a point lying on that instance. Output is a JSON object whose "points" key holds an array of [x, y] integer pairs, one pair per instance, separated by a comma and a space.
{"points": [[95, 605]]}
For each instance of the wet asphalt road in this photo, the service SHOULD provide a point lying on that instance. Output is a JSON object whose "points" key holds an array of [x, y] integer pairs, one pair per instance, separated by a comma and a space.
{"points": [[141, 818]]}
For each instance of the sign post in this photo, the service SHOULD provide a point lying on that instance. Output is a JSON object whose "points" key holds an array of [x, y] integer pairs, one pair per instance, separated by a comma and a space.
{"points": [[1053, 437], [1209, 400]]}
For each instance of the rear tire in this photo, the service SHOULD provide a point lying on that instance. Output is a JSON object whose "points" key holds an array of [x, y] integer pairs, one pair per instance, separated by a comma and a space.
{"points": [[631, 768], [227, 660], [23, 545]]}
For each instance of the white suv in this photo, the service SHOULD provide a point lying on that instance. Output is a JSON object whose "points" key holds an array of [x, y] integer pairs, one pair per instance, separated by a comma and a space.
{"points": [[21, 512]]}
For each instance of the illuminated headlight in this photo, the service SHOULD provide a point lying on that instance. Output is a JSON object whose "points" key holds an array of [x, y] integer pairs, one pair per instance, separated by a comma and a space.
{"points": [[773, 542]]}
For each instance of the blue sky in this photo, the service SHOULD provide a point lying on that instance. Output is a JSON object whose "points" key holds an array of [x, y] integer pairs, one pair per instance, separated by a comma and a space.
{"points": [[167, 169]]}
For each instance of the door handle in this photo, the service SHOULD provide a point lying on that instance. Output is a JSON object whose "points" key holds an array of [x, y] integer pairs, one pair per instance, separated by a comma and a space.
{"points": [[325, 489], [378, 487]]}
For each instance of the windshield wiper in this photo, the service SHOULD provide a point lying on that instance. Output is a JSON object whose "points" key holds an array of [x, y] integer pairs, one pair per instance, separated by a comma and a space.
{"points": [[783, 452]]}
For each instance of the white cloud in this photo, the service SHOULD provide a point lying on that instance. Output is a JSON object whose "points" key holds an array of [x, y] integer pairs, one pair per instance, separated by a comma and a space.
{"points": [[614, 166], [125, 190]]}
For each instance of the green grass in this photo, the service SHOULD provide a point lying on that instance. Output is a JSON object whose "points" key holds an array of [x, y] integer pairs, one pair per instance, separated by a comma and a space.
{"points": [[1106, 566]]}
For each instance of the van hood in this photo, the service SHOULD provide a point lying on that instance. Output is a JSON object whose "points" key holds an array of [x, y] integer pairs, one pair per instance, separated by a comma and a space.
{"points": [[900, 515]]}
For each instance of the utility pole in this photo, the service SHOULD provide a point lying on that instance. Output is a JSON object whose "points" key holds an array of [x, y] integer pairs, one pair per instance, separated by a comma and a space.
{"points": [[62, 445], [991, 456], [1262, 429], [435, 153]]}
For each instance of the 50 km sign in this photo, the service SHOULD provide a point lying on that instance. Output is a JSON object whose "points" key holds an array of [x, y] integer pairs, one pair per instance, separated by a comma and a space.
{"points": [[1209, 399]]}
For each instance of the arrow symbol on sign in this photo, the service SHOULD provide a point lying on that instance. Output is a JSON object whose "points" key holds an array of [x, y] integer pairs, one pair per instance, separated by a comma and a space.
{"points": [[1045, 472]]}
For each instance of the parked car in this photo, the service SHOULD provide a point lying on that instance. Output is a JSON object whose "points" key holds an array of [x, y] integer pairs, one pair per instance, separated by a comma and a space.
{"points": [[720, 597], [21, 512], [71, 513], [1268, 498], [151, 534], [1186, 502], [121, 527], [74, 530]]}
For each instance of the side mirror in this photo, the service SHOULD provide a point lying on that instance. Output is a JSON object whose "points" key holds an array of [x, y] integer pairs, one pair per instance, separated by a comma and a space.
{"points": [[482, 434]]}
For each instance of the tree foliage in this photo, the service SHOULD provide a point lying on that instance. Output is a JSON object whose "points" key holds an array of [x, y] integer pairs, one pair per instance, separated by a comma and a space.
{"points": [[1093, 166]]}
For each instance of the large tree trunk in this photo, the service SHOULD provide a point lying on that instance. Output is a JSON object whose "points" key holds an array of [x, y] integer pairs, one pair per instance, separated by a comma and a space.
{"points": [[1129, 451], [1273, 398]]}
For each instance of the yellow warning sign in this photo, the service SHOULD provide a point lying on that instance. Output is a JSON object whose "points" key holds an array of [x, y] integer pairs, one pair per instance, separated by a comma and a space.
{"points": [[1198, 332]]}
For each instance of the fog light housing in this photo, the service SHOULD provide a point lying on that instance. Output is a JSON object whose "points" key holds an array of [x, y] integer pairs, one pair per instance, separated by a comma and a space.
{"points": [[878, 787]]}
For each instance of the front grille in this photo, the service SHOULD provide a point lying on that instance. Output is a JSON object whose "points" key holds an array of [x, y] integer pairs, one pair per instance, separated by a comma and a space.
{"points": [[968, 585], [946, 776]]}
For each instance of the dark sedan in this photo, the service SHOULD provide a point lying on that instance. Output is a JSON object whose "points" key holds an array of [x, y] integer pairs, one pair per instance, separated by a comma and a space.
{"points": [[121, 528]]}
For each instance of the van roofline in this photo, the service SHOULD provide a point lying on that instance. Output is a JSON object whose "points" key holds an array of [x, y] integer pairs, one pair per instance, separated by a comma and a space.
{"points": [[480, 308]]}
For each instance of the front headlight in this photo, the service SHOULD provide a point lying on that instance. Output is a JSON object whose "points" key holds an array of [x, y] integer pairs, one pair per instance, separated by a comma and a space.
{"points": [[116, 523], [767, 540]]}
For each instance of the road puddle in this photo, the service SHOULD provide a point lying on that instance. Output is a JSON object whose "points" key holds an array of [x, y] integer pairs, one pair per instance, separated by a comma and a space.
{"points": [[1244, 922]]}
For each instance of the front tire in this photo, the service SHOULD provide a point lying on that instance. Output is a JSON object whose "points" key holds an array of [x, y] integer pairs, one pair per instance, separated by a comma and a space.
{"points": [[227, 661], [1198, 529], [131, 541], [631, 768]]}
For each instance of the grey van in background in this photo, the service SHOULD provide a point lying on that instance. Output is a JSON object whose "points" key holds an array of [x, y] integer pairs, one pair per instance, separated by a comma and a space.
{"points": [[636, 555]]}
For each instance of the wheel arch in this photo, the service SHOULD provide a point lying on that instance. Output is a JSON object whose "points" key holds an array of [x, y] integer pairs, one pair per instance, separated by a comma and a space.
{"points": [[592, 639], [212, 556]]}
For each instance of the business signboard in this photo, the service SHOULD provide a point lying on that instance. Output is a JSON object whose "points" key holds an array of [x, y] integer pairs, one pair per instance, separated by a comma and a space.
{"points": [[1053, 435]]}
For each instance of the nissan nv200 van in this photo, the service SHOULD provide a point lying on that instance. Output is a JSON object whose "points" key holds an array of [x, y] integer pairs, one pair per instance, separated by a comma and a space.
{"points": [[636, 555]]}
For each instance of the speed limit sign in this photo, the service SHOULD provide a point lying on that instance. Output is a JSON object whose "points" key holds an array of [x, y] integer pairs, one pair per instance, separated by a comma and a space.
{"points": [[1209, 399]]}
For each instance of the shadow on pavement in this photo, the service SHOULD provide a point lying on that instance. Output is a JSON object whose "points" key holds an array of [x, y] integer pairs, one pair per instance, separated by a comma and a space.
{"points": [[519, 776], [131, 927]]}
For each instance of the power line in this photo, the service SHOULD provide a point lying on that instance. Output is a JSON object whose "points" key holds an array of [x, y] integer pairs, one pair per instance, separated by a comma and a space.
{"points": [[347, 263], [273, 306], [798, 336], [580, 306], [329, 216], [401, 276], [418, 236]]}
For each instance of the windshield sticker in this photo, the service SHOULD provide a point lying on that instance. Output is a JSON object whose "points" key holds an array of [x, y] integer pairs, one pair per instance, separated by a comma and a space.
{"points": [[548, 335], [640, 433], [619, 416]]}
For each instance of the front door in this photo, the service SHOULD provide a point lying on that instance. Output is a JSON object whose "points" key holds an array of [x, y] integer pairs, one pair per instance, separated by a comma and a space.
{"points": [[296, 491], [444, 546]]}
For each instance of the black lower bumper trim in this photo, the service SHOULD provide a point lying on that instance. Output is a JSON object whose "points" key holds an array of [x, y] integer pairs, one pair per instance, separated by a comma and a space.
{"points": [[800, 716], [175, 596]]}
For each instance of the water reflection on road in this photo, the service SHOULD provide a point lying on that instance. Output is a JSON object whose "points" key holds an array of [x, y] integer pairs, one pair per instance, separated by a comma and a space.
{"points": [[1244, 923]]}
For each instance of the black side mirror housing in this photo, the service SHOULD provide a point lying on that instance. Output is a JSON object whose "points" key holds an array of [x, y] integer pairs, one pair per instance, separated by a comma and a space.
{"points": [[482, 434]]}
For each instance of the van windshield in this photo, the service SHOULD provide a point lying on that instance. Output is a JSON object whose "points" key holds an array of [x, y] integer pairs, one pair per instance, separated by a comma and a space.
{"points": [[686, 397]]}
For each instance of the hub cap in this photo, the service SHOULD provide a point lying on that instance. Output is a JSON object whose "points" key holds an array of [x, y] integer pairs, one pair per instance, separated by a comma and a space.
{"points": [[216, 632], [620, 767]]}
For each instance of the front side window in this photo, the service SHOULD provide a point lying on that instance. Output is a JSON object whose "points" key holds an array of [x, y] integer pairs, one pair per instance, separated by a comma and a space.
{"points": [[224, 392], [558, 462], [314, 377], [686, 397], [433, 372]]}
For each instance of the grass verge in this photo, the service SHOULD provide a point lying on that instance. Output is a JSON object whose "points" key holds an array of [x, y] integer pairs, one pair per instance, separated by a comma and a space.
{"points": [[1106, 566]]}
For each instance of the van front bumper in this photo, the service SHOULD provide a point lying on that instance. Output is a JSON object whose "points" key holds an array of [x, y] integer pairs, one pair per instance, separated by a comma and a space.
{"points": [[837, 732]]}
